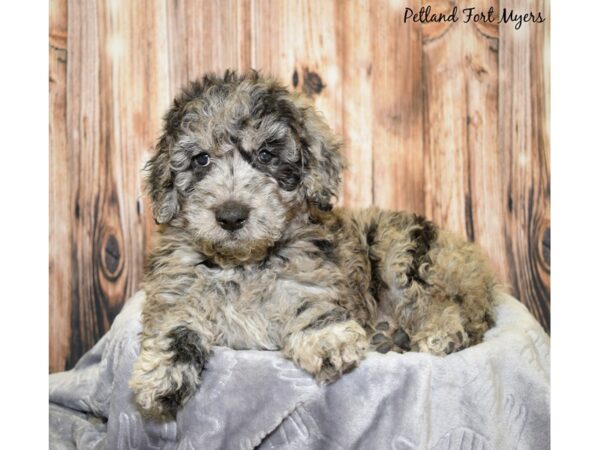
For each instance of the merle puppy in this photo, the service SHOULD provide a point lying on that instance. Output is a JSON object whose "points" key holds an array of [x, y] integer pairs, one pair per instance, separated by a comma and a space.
{"points": [[250, 253]]}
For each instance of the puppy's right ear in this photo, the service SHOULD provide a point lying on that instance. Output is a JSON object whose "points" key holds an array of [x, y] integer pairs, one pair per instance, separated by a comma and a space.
{"points": [[159, 183]]}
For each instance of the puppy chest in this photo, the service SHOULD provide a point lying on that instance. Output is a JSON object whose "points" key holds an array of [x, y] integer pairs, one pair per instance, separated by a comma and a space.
{"points": [[242, 310]]}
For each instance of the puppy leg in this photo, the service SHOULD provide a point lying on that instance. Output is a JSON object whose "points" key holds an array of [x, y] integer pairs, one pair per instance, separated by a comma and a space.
{"points": [[324, 341], [436, 287], [174, 349], [458, 299]]}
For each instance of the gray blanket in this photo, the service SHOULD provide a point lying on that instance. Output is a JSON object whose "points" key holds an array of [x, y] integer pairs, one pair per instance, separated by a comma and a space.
{"points": [[492, 396]]}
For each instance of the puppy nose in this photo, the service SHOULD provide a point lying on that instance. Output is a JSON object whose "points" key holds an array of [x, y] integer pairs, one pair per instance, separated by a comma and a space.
{"points": [[232, 215]]}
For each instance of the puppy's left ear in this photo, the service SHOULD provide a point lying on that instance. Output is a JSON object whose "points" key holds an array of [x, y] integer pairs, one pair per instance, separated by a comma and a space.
{"points": [[321, 155]]}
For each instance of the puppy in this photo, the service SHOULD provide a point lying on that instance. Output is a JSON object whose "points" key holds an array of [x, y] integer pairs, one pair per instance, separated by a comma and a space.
{"points": [[250, 253]]}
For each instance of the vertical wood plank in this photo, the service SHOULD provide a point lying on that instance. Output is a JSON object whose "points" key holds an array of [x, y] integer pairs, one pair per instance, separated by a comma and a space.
{"points": [[464, 167], [485, 199], [445, 124], [83, 124], [356, 67], [397, 122], [316, 57], [207, 36], [60, 280], [270, 52], [116, 97], [297, 42], [136, 96], [524, 117], [177, 45]]}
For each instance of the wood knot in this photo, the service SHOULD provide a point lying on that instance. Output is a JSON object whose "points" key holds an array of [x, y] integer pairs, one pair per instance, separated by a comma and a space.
{"points": [[546, 245], [111, 258], [312, 83]]}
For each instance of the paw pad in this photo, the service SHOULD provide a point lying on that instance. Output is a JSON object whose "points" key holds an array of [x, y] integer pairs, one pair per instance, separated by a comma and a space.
{"points": [[383, 326], [458, 342], [379, 338], [384, 342], [401, 339], [384, 348], [460, 338], [450, 348]]}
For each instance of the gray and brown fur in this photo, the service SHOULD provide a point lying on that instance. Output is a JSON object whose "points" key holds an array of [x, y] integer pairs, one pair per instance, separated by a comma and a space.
{"points": [[250, 253]]}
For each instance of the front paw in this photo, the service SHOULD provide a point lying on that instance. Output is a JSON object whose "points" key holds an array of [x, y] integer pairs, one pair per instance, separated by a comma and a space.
{"points": [[161, 390], [328, 352], [162, 381]]}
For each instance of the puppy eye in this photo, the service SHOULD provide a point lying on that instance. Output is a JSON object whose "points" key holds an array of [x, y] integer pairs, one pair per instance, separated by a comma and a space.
{"points": [[265, 157], [201, 159]]}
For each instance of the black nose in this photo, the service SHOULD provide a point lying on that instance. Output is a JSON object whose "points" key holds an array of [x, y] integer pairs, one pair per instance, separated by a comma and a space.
{"points": [[232, 215]]}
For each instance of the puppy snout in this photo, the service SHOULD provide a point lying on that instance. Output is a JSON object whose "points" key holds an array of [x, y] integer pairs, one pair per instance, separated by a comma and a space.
{"points": [[232, 215]]}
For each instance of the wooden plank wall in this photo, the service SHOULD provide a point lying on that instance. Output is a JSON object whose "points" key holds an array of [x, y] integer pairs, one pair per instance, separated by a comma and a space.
{"points": [[447, 120]]}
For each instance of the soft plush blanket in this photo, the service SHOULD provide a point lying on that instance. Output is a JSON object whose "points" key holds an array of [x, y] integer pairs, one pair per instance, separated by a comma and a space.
{"points": [[494, 395]]}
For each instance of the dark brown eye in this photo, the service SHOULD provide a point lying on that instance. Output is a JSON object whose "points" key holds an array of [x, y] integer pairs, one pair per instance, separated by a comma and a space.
{"points": [[201, 159], [265, 156]]}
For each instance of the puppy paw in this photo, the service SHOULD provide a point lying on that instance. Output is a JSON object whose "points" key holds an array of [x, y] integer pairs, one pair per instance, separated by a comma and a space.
{"points": [[385, 340], [442, 342], [328, 352], [163, 380], [159, 392]]}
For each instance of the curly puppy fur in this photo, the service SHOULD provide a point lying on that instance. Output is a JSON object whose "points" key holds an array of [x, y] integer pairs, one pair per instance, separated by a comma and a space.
{"points": [[251, 254]]}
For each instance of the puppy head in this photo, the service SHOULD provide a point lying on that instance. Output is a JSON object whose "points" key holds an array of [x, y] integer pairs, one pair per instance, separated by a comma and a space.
{"points": [[239, 158]]}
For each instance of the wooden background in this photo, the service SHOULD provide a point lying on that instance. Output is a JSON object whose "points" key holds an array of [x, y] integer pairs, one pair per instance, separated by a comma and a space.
{"points": [[447, 120]]}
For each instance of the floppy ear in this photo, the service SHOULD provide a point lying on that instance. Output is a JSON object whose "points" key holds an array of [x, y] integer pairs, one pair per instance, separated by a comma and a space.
{"points": [[159, 183], [322, 158]]}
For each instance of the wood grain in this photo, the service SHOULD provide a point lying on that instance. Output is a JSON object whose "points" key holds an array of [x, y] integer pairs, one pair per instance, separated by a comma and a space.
{"points": [[397, 115], [355, 57], [524, 118], [447, 120], [446, 149], [87, 320], [464, 166], [485, 200], [60, 280]]}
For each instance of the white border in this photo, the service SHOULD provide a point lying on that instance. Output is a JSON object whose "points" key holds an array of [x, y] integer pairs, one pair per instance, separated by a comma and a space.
{"points": [[575, 124], [24, 234], [575, 223]]}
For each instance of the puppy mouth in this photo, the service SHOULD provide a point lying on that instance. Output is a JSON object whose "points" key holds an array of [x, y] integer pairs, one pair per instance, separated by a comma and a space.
{"points": [[237, 246], [236, 241], [236, 250], [232, 241]]}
